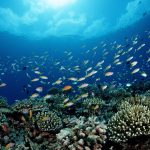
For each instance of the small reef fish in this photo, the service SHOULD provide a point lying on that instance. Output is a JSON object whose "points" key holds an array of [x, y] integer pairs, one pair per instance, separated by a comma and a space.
{"points": [[81, 79], [141, 46], [69, 104], [35, 80], [109, 74], [47, 96], [72, 79], [39, 89], [84, 85], [23, 119], [34, 95], [118, 63], [37, 72], [135, 70], [84, 95], [128, 84], [129, 59], [84, 70], [99, 63], [89, 69], [91, 73], [37, 68], [143, 74], [134, 63], [59, 81], [67, 88], [3, 85], [116, 60], [66, 100], [98, 79], [44, 77], [108, 67], [104, 87]]}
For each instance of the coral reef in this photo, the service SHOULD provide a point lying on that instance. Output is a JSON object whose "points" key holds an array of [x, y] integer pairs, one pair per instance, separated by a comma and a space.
{"points": [[143, 99], [63, 122], [132, 121], [119, 92], [30, 104], [56, 101], [92, 105], [3, 102], [48, 121], [3, 119], [88, 133], [147, 86]]}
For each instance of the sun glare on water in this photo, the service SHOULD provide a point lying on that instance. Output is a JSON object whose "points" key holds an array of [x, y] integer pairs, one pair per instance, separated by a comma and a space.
{"points": [[59, 3]]}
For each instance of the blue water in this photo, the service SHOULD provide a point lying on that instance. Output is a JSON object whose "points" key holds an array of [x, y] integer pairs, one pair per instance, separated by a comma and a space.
{"points": [[22, 48]]}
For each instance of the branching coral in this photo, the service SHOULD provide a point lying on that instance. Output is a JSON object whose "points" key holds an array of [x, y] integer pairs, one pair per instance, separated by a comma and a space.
{"points": [[118, 92], [48, 121], [132, 121], [56, 101], [136, 100], [27, 104], [93, 105], [18, 106]]}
